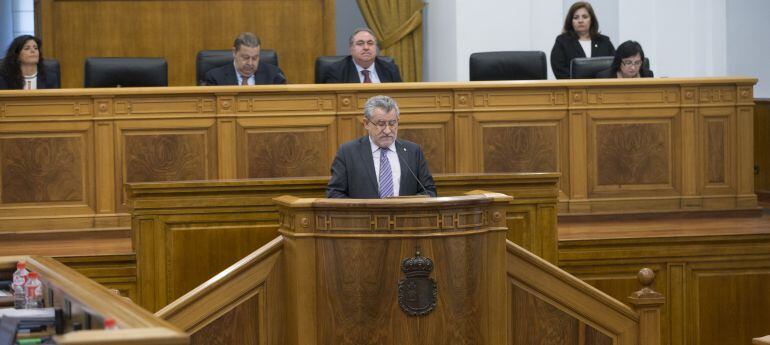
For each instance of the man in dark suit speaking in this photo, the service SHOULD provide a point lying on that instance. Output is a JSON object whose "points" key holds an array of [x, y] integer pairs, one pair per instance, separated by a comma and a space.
{"points": [[362, 65], [246, 68], [378, 165]]}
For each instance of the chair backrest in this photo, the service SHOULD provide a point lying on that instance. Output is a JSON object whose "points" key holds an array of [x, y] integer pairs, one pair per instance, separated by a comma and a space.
{"points": [[52, 69], [208, 59], [587, 68], [508, 65], [125, 72], [322, 64]]}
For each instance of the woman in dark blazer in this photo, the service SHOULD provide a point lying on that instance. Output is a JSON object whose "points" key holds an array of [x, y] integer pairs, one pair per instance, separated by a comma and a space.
{"points": [[628, 63], [580, 37], [22, 67]]}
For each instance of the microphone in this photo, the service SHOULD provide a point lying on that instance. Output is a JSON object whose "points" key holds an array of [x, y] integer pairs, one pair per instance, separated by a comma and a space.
{"points": [[424, 191]]}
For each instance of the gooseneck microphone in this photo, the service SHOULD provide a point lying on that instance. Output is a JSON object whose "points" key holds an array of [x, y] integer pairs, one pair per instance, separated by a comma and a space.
{"points": [[424, 191]]}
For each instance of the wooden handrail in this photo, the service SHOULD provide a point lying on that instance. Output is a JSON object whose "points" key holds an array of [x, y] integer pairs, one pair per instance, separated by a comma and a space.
{"points": [[204, 304], [586, 303]]}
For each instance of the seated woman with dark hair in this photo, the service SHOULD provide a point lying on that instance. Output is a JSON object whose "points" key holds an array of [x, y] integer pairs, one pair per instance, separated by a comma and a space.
{"points": [[22, 67], [628, 63]]}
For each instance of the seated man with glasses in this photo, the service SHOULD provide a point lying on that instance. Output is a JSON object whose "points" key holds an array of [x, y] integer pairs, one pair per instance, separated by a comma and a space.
{"points": [[378, 165], [628, 63]]}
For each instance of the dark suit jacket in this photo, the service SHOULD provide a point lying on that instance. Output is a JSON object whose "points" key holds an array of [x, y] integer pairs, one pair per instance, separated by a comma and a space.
{"points": [[607, 73], [225, 75], [345, 71], [567, 48], [353, 174], [42, 82]]}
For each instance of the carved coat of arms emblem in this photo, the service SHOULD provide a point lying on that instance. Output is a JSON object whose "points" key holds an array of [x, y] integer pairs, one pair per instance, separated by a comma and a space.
{"points": [[417, 293]]}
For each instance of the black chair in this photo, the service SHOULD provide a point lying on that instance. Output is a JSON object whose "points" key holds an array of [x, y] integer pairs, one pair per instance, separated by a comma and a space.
{"points": [[587, 68], [208, 59], [322, 64], [52, 70], [508, 65], [125, 72]]}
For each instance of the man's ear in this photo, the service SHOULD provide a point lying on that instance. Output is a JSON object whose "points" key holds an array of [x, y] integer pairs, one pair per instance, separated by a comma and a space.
{"points": [[234, 51], [363, 121]]}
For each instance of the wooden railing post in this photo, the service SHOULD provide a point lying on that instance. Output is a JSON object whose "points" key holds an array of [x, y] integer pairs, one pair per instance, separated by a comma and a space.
{"points": [[647, 302]]}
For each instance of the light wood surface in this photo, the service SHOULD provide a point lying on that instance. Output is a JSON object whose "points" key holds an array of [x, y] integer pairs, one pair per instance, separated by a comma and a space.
{"points": [[72, 30], [714, 272], [227, 220], [620, 146], [137, 326]]}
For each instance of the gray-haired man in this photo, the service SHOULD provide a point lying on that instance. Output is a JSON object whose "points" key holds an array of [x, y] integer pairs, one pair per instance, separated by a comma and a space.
{"points": [[379, 165]]}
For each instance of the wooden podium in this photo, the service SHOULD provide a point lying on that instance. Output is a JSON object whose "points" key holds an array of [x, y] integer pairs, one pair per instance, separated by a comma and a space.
{"points": [[351, 268]]}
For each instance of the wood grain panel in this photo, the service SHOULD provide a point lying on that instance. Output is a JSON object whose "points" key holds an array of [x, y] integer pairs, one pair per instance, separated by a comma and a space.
{"points": [[42, 169], [533, 321], [715, 137], [632, 154], [432, 141], [286, 152], [165, 157], [236, 326], [231, 241], [359, 284], [520, 148], [594, 337], [724, 298], [299, 31]]}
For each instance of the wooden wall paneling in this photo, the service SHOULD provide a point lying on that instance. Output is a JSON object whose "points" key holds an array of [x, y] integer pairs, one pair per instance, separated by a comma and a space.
{"points": [[466, 133], [714, 285], [164, 150], [434, 132], [724, 292], [219, 244], [462, 114], [299, 31], [636, 153], [745, 151], [46, 165], [105, 167], [117, 272], [718, 174], [762, 146], [524, 141], [285, 147]]}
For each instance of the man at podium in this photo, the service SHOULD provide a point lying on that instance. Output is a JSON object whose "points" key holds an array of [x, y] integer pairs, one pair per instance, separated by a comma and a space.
{"points": [[379, 165]]}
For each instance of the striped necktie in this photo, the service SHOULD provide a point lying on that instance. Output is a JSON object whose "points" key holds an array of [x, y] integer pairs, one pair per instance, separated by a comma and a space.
{"points": [[386, 176]]}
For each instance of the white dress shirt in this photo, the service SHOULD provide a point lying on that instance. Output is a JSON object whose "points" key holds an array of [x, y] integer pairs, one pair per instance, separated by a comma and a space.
{"points": [[240, 78], [586, 47], [372, 74], [395, 165]]}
